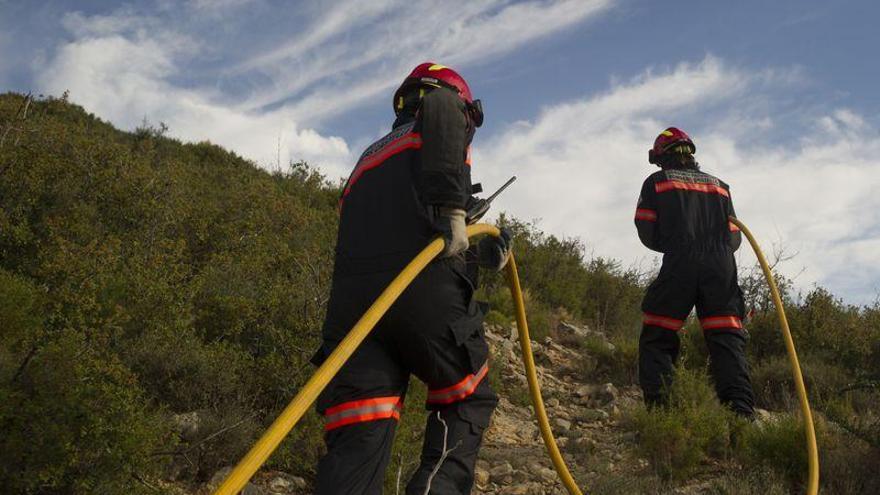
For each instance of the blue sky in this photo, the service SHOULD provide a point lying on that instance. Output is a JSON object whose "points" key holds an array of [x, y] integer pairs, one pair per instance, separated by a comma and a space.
{"points": [[781, 97]]}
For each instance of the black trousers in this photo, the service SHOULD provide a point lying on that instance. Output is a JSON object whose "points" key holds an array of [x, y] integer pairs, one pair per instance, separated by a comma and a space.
{"points": [[435, 331], [707, 280]]}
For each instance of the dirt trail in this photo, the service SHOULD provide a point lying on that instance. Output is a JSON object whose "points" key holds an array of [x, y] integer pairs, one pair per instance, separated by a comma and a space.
{"points": [[583, 415]]}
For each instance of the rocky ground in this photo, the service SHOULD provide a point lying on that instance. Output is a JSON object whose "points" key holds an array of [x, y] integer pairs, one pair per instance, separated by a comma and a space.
{"points": [[585, 416]]}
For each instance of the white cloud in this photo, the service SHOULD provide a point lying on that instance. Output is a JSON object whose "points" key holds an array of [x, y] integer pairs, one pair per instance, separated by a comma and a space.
{"points": [[122, 74], [581, 164], [819, 196]]}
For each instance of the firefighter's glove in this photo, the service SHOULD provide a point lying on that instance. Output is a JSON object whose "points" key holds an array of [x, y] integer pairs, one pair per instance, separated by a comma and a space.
{"points": [[495, 251], [454, 231]]}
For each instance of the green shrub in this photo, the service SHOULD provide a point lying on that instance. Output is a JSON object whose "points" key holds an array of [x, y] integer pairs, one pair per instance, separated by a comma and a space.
{"points": [[765, 338], [777, 444], [616, 363], [21, 307], [555, 271], [693, 354], [693, 426], [773, 384], [617, 483], [847, 466], [773, 381], [77, 422], [751, 481], [497, 319]]}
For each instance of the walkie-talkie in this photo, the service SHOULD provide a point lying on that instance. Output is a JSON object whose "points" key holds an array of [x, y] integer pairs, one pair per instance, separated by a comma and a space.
{"points": [[479, 207]]}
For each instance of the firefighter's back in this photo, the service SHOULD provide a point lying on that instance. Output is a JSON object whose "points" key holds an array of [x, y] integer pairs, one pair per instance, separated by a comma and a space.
{"points": [[692, 211], [382, 223]]}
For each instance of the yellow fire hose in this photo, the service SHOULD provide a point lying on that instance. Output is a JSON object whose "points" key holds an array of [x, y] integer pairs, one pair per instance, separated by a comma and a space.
{"points": [[534, 387], [812, 449], [291, 414]]}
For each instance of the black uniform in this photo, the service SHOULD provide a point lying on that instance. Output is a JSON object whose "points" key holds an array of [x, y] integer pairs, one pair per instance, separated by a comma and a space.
{"points": [[683, 213], [433, 331]]}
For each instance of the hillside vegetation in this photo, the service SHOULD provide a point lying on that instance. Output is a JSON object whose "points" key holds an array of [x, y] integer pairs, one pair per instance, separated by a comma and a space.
{"points": [[159, 302]]}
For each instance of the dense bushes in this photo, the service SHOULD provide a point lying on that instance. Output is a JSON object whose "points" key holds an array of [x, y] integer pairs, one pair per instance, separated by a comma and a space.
{"points": [[72, 415], [141, 279]]}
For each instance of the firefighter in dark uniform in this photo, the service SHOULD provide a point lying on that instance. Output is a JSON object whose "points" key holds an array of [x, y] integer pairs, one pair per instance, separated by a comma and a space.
{"points": [[407, 188], [683, 213]]}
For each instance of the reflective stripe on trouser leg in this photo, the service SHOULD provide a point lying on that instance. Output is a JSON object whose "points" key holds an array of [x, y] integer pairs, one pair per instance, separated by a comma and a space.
{"points": [[661, 321], [458, 391], [359, 436], [358, 411], [723, 322]]}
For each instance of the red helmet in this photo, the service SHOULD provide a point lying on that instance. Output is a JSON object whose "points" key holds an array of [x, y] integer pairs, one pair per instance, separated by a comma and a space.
{"points": [[440, 76], [667, 140]]}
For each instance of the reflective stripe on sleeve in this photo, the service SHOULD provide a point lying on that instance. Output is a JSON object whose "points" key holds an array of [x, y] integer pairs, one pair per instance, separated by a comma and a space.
{"points": [[359, 411], [646, 214], [460, 390]]}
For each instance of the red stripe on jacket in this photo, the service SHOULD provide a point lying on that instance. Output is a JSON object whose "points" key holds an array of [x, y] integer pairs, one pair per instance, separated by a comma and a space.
{"points": [[408, 141], [670, 185]]}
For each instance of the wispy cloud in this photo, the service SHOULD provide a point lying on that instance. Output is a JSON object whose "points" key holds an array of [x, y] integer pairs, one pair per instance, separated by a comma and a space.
{"points": [[352, 70], [336, 21]]}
